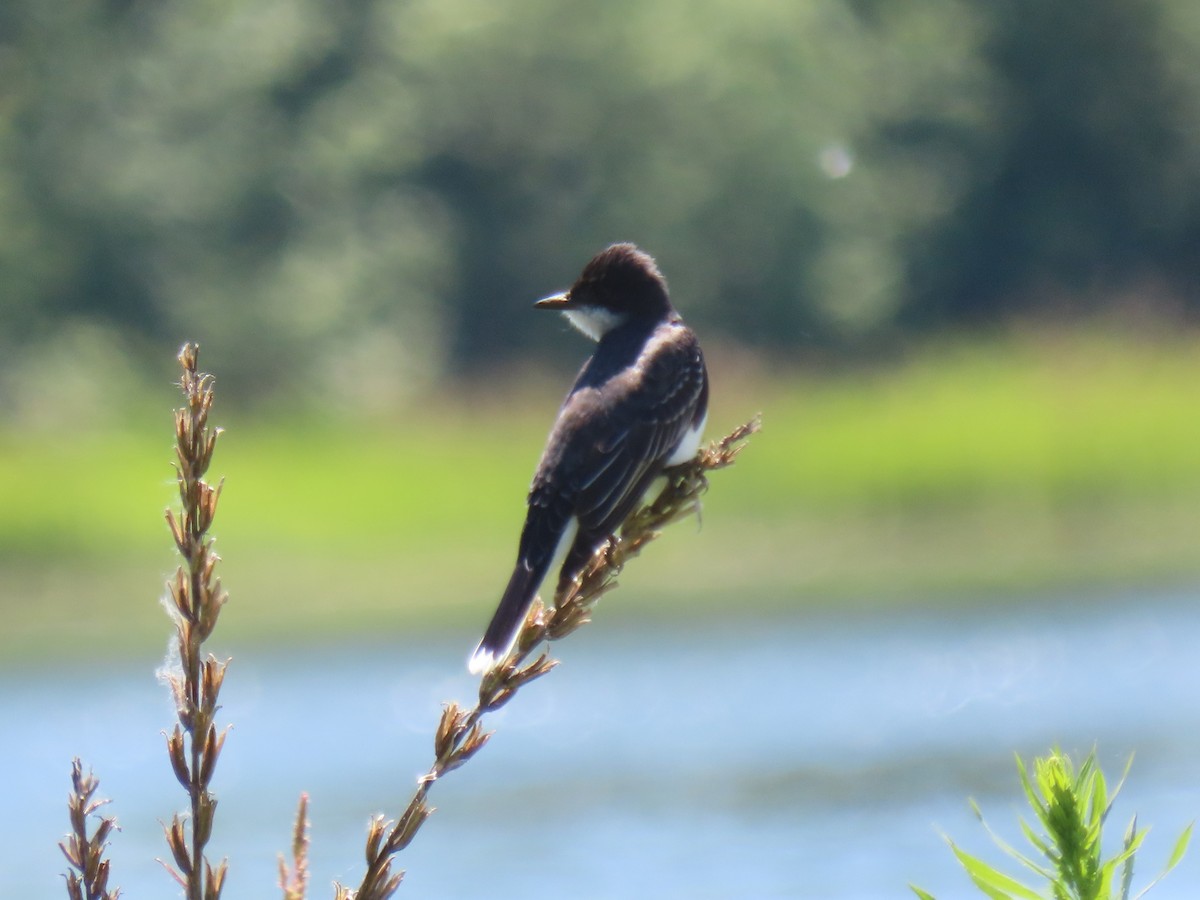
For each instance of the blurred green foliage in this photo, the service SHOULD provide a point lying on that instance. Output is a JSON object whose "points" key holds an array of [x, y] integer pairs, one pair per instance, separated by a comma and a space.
{"points": [[969, 473], [366, 193], [1070, 421]]}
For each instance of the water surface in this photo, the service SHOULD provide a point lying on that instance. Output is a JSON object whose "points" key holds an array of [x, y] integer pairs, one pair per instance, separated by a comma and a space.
{"points": [[741, 758]]}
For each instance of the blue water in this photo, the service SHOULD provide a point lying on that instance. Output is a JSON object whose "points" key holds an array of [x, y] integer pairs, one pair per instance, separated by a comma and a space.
{"points": [[744, 759]]}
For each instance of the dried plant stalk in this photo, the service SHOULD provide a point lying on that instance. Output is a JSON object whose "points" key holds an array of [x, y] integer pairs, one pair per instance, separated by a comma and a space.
{"points": [[460, 733], [294, 879], [84, 852], [195, 602]]}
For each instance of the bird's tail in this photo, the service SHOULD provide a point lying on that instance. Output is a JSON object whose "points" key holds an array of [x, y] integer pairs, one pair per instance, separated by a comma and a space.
{"points": [[502, 630]]}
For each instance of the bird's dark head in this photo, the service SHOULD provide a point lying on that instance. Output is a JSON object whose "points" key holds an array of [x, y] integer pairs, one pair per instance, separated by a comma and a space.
{"points": [[618, 284]]}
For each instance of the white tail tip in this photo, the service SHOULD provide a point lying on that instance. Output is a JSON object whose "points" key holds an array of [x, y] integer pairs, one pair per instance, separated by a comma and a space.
{"points": [[481, 661]]}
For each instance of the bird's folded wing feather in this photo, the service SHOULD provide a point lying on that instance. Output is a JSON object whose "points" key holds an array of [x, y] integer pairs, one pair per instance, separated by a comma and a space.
{"points": [[612, 471]]}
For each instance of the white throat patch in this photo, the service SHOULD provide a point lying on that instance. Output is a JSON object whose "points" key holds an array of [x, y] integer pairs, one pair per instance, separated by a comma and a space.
{"points": [[593, 321]]}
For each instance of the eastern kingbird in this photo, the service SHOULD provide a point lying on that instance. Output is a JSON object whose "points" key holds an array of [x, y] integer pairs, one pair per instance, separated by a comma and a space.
{"points": [[637, 407]]}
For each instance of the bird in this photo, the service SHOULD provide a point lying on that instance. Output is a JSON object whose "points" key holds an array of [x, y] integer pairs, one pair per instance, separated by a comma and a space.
{"points": [[637, 407]]}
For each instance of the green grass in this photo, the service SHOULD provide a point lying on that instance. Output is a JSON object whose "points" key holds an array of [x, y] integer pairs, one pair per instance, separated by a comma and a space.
{"points": [[970, 470], [1085, 418]]}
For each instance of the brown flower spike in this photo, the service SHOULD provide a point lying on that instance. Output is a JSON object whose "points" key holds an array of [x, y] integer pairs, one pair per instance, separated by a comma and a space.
{"points": [[195, 602], [85, 852]]}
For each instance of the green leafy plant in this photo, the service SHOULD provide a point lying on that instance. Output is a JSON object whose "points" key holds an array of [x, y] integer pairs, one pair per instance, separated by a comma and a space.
{"points": [[1071, 806]]}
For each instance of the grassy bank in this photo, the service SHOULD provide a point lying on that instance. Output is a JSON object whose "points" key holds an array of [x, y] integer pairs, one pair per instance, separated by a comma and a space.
{"points": [[969, 470]]}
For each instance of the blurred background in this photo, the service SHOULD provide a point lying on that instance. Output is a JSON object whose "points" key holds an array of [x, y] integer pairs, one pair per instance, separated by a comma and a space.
{"points": [[950, 250]]}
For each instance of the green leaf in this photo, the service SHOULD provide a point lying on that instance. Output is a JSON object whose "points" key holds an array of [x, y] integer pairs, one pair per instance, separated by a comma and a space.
{"points": [[1035, 802], [991, 881], [1177, 852], [1112, 798], [924, 895], [1127, 877], [1099, 808], [1130, 843], [1007, 847], [1180, 848], [1038, 842]]}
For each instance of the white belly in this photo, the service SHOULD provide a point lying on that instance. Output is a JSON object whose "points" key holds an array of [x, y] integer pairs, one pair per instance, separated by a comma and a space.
{"points": [[689, 445]]}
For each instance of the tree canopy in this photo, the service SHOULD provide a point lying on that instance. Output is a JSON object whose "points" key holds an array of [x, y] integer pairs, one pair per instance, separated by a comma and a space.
{"points": [[378, 187]]}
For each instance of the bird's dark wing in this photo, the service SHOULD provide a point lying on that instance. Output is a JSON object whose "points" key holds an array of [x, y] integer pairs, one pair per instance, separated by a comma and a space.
{"points": [[608, 461]]}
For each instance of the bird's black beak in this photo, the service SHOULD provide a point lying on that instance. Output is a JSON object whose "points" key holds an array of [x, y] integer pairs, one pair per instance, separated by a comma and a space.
{"points": [[555, 301]]}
